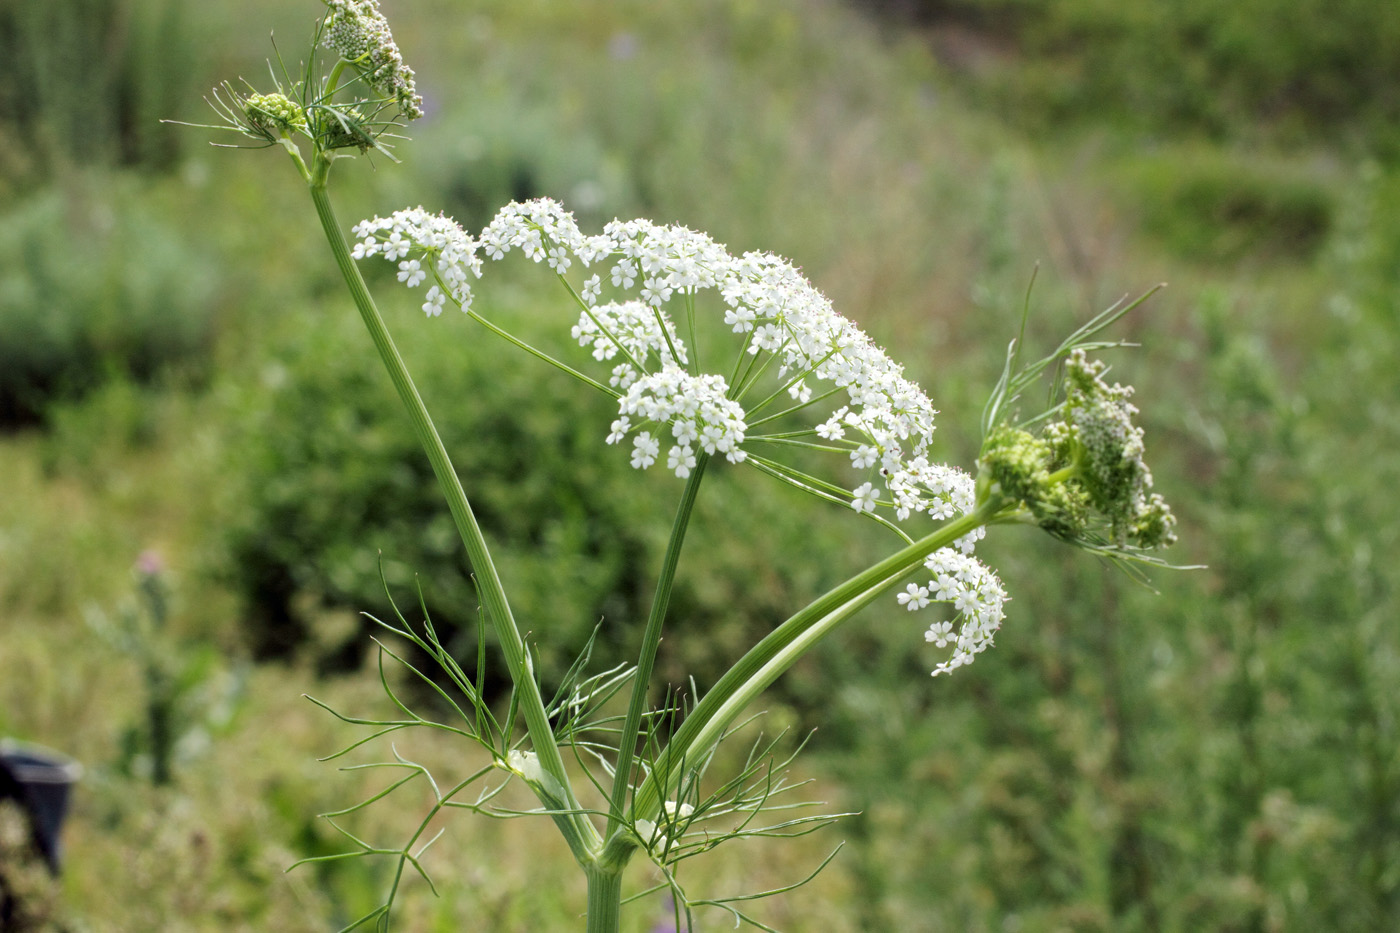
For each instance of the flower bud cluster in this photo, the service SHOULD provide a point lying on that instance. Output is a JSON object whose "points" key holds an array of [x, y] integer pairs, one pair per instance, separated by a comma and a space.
{"points": [[1020, 464], [1086, 472], [274, 114], [1100, 429], [358, 32], [345, 127]]}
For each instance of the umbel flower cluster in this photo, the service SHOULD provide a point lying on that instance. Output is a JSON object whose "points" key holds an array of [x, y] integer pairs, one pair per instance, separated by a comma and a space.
{"points": [[885, 423], [882, 421]]}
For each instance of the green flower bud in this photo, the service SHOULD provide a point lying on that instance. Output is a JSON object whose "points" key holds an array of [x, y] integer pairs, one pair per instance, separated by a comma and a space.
{"points": [[343, 128], [1155, 525], [274, 114], [1084, 478], [1021, 465], [1109, 452]]}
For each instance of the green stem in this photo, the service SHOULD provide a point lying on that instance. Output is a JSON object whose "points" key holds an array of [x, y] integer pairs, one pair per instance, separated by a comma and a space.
{"points": [[646, 657], [778, 651], [582, 836], [333, 81], [604, 899]]}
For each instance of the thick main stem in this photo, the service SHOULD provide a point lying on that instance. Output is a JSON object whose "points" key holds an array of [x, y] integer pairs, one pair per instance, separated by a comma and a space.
{"points": [[582, 836], [604, 898]]}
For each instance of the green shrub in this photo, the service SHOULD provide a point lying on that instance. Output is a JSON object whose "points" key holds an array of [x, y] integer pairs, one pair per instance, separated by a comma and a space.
{"points": [[93, 281], [1227, 69], [1207, 204], [497, 146]]}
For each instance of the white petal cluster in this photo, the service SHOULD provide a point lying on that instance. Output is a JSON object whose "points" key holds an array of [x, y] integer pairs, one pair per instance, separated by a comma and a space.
{"points": [[415, 233], [358, 33], [633, 330], [697, 409], [974, 591], [542, 230]]}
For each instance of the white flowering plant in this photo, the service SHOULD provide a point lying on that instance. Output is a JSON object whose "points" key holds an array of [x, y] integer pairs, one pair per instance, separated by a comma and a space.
{"points": [[708, 355]]}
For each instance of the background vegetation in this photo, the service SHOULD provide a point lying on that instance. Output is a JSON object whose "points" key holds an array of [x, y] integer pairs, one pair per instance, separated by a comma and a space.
{"points": [[179, 374]]}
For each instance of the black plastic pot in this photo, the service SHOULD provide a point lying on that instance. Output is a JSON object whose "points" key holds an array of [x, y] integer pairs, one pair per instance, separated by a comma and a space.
{"points": [[39, 779]]}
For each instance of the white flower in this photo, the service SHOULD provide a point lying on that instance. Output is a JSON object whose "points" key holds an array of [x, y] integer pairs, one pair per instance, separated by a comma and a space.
{"points": [[939, 633], [396, 246], [411, 272], [624, 274], [864, 500], [644, 450], [436, 299], [655, 292], [683, 429], [631, 329], [591, 289], [914, 597], [558, 260], [697, 403], [831, 428], [863, 456], [619, 429], [681, 460], [415, 231], [975, 593]]}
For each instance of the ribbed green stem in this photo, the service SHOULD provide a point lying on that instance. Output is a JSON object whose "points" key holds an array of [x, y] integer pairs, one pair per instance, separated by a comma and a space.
{"points": [[646, 657], [582, 836], [604, 899], [778, 651]]}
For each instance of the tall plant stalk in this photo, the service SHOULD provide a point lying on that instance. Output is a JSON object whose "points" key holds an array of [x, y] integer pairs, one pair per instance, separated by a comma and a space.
{"points": [[582, 837]]}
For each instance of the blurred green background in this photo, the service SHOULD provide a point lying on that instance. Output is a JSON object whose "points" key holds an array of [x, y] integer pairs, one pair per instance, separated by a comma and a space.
{"points": [[181, 376]]}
